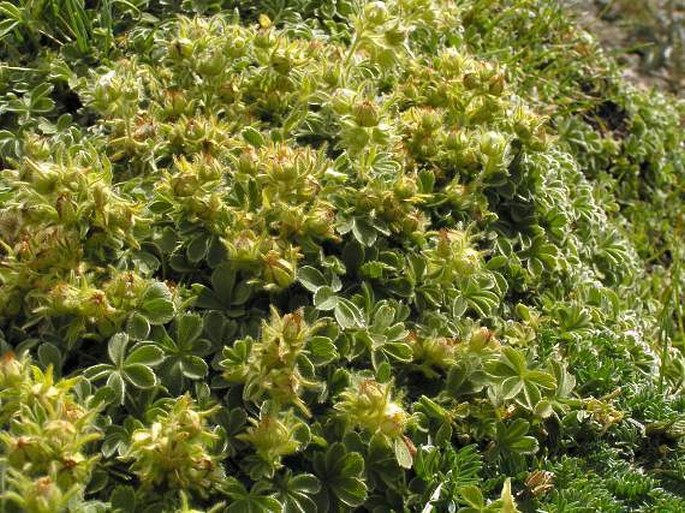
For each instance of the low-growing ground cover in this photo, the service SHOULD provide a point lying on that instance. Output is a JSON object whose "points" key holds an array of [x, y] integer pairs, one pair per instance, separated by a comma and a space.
{"points": [[415, 255]]}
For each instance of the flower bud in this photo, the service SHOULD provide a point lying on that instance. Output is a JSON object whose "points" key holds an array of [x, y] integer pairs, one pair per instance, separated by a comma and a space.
{"points": [[180, 48], [10, 370], [394, 36], [480, 338], [376, 12], [493, 144], [496, 84], [366, 114], [471, 81]]}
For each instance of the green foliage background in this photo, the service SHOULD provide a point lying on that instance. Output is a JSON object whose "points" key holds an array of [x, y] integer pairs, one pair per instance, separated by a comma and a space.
{"points": [[420, 255]]}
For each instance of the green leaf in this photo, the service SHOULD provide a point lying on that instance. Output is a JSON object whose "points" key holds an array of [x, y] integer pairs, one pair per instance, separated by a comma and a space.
{"points": [[531, 395], [123, 499], [341, 474], [348, 314], [399, 351], [194, 367], [350, 490], [364, 232], [383, 317], [512, 437], [542, 379], [524, 445], [444, 434], [253, 136], [325, 298], [383, 371], [244, 501], [7, 26], [146, 262], [197, 249], [511, 387], [137, 327], [515, 360], [323, 350], [347, 484], [188, 329], [116, 349], [517, 428], [472, 496], [295, 492], [306, 483], [11, 11], [543, 409], [311, 278], [157, 304], [402, 454], [497, 262], [426, 181], [140, 376], [50, 355], [396, 333], [146, 354], [223, 282], [118, 386], [98, 371]]}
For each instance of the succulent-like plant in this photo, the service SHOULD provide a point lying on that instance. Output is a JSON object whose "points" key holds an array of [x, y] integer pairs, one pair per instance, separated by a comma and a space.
{"points": [[402, 255]]}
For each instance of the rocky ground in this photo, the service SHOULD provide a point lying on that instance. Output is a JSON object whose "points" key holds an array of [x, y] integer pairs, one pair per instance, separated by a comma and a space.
{"points": [[646, 36]]}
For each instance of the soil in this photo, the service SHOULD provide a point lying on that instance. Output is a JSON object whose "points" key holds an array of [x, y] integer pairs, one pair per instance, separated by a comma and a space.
{"points": [[634, 34]]}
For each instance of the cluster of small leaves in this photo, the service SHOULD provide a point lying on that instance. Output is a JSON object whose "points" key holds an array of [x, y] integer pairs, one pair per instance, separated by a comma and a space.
{"points": [[325, 256]]}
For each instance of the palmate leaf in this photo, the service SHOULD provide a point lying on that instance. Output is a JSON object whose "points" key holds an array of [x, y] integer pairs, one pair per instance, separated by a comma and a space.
{"points": [[295, 492], [243, 500], [480, 296], [513, 438], [341, 476], [381, 463], [132, 367], [384, 335], [512, 379], [184, 353]]}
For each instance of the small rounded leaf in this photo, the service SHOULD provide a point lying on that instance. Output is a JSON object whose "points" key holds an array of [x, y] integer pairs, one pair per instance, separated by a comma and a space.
{"points": [[348, 314], [325, 298], [116, 349], [140, 376], [311, 278], [194, 367], [157, 305], [402, 453], [146, 354], [137, 327]]}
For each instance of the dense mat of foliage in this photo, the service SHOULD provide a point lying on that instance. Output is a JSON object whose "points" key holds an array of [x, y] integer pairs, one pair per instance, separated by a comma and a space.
{"points": [[420, 255]]}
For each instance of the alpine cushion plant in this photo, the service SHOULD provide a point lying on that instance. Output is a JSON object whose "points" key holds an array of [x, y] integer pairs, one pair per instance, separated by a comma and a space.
{"points": [[303, 256]]}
